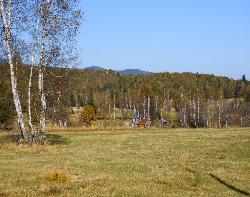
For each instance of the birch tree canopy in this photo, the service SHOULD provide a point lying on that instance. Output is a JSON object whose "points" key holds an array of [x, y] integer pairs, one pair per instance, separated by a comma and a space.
{"points": [[43, 34]]}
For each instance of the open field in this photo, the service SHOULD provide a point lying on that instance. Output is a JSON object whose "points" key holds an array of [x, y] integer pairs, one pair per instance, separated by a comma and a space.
{"points": [[163, 162]]}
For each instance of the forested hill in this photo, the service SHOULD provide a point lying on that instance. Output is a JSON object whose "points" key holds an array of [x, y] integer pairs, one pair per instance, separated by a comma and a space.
{"points": [[104, 84], [170, 84], [106, 90]]}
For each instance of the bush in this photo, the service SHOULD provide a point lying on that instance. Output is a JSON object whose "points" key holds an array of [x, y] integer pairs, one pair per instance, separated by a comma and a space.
{"points": [[172, 118], [6, 113], [57, 176], [88, 115]]}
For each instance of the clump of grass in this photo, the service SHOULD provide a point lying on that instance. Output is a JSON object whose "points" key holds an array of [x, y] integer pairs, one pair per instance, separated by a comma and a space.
{"points": [[160, 180], [57, 176], [51, 191]]}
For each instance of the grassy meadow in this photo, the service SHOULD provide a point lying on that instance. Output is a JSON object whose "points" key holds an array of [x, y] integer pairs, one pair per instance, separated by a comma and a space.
{"points": [[157, 162]]}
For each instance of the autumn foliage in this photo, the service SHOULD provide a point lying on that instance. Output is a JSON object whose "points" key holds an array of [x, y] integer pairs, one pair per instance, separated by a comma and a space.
{"points": [[88, 115]]}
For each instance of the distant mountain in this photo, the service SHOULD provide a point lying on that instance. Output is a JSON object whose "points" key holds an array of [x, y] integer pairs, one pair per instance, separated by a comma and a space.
{"points": [[123, 72], [95, 68], [134, 72]]}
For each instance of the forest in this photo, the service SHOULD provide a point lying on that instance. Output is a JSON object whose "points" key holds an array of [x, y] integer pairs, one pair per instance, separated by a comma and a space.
{"points": [[182, 99]]}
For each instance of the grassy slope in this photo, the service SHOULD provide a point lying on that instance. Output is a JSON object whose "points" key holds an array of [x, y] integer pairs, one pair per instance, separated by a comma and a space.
{"points": [[139, 162]]}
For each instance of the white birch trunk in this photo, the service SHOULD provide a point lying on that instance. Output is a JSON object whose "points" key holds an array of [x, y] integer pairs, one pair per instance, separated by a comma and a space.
{"points": [[194, 112], [30, 84], [184, 117], [114, 108], [148, 107], [198, 110], [43, 102], [16, 99], [144, 107], [29, 100], [41, 71], [219, 114], [41, 87]]}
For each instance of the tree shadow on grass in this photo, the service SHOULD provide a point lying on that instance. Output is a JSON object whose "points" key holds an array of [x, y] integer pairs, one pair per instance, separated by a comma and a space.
{"points": [[9, 138], [230, 186], [52, 139], [55, 139]]}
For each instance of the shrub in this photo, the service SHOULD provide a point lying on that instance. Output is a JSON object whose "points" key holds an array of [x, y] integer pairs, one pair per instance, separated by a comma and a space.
{"points": [[172, 118], [88, 115], [57, 176], [6, 113]]}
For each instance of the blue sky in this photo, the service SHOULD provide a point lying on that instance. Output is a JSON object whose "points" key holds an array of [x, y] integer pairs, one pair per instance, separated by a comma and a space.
{"points": [[205, 36]]}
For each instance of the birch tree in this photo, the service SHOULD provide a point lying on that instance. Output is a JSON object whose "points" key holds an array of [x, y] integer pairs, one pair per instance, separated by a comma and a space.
{"points": [[43, 19], [6, 19], [59, 22], [56, 24]]}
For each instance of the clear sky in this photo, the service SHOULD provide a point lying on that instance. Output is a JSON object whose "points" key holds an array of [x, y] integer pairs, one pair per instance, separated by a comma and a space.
{"points": [[205, 36]]}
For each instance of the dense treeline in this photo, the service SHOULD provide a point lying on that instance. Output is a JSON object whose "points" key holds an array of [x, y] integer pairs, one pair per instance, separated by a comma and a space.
{"points": [[184, 100]]}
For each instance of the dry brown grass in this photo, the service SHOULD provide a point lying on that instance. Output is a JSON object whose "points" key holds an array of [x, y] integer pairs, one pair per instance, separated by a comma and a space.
{"points": [[139, 162], [26, 148], [57, 176]]}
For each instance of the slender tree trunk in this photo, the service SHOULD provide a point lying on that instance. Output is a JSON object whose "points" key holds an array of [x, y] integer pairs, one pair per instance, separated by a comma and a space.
{"points": [[198, 110], [29, 100], [144, 107], [194, 112], [41, 71], [43, 102], [16, 99], [30, 84], [185, 117], [219, 115], [114, 107], [41, 88], [106, 100], [127, 104], [148, 107]]}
